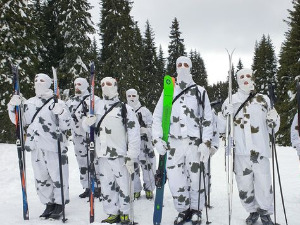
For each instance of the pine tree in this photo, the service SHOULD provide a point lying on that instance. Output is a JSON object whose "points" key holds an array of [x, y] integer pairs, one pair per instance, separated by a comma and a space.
{"points": [[18, 46], [264, 64], [287, 73], [150, 93], [198, 69], [161, 65], [121, 44], [176, 47], [74, 26]]}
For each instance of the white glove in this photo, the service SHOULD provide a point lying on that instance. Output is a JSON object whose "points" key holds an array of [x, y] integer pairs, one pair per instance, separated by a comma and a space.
{"points": [[204, 152], [143, 130], [228, 110], [89, 120], [272, 118], [212, 151], [129, 163], [161, 146], [58, 108], [15, 100]]}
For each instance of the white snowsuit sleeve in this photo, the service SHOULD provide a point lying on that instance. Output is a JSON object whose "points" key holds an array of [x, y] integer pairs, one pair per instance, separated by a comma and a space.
{"points": [[65, 118], [157, 131], [295, 139], [133, 134], [207, 123]]}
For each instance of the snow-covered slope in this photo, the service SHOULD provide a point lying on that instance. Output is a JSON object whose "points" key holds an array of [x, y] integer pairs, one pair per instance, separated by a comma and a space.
{"points": [[77, 211]]}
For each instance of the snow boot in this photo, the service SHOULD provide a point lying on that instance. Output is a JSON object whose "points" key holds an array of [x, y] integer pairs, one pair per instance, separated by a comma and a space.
{"points": [[252, 218], [196, 217], [112, 219], [57, 212], [85, 194], [183, 217], [149, 195], [137, 195], [266, 220], [49, 209], [124, 219]]}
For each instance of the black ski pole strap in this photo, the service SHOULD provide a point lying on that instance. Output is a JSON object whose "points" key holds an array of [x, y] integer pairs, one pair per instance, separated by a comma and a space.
{"points": [[183, 92], [97, 129], [39, 109], [251, 95], [81, 102], [138, 109]]}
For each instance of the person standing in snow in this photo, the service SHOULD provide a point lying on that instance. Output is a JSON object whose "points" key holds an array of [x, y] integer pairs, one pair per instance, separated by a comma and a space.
{"points": [[39, 118], [118, 146], [146, 157], [253, 123], [79, 107], [189, 142], [295, 136]]}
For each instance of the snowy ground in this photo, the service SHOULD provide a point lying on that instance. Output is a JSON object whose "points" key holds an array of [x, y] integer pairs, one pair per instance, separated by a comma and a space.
{"points": [[77, 211]]}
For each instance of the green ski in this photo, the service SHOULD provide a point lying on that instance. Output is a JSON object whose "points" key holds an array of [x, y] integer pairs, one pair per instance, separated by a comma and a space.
{"points": [[161, 171]]}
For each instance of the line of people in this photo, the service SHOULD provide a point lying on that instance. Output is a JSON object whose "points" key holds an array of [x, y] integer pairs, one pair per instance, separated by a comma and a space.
{"points": [[126, 136]]}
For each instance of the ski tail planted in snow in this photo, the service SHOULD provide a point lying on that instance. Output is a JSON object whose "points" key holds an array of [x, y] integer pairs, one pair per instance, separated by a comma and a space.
{"points": [[20, 143], [92, 173], [230, 145], [56, 97], [161, 171]]}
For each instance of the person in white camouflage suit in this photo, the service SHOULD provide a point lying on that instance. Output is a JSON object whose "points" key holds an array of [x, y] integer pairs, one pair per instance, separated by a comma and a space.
{"points": [[117, 146], [146, 158], [253, 124], [188, 145], [41, 141], [79, 107], [295, 137]]}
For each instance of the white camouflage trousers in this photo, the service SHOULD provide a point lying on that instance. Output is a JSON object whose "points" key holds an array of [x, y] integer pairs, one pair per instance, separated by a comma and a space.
{"points": [[114, 179], [183, 166], [147, 162], [80, 149], [254, 183], [47, 177]]}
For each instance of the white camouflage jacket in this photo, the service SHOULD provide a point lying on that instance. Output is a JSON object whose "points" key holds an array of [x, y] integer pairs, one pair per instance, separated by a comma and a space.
{"points": [[112, 140], [78, 113], [41, 132], [185, 116], [251, 131], [295, 138]]}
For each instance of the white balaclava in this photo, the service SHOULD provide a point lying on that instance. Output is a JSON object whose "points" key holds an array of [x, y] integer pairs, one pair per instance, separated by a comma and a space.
{"points": [[245, 80], [81, 84], [109, 88], [183, 69], [42, 84], [133, 98]]}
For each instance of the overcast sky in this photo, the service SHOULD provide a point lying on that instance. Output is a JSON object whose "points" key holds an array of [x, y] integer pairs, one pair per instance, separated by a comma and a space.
{"points": [[211, 26]]}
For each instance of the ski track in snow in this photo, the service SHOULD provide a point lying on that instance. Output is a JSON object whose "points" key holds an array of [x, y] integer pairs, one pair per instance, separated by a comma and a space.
{"points": [[77, 211]]}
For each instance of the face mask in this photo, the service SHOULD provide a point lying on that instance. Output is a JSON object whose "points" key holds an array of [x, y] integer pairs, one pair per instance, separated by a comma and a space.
{"points": [[183, 69], [81, 86], [42, 84], [245, 80], [184, 75], [109, 88], [132, 98]]}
